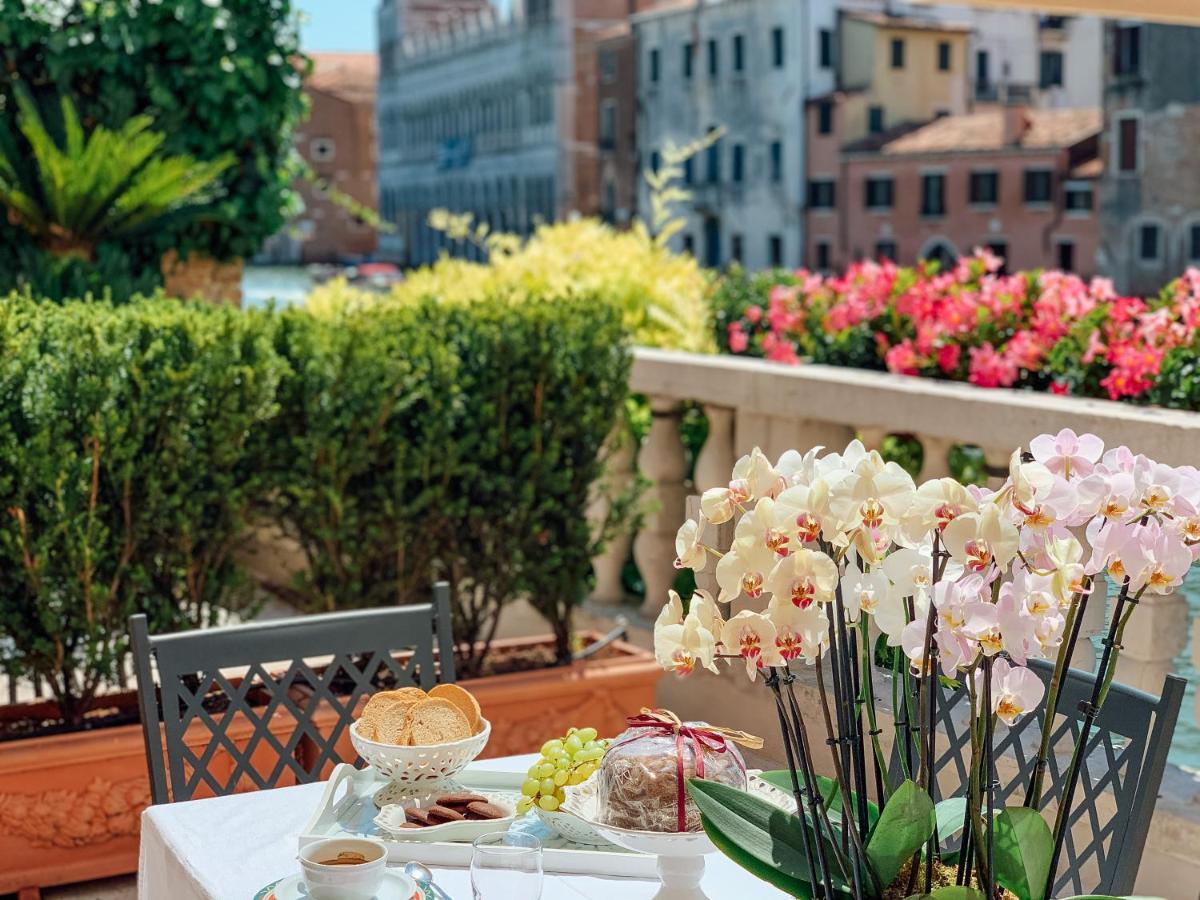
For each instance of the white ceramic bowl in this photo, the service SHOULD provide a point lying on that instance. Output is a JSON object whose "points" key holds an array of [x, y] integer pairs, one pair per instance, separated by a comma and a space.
{"points": [[571, 827], [391, 819], [356, 882], [420, 765]]}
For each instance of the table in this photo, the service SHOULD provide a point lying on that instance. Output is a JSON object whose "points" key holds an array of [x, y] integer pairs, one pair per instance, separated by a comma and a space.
{"points": [[226, 848]]}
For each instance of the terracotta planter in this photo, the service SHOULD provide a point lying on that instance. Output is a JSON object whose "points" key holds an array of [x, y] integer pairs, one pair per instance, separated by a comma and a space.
{"points": [[70, 804]]}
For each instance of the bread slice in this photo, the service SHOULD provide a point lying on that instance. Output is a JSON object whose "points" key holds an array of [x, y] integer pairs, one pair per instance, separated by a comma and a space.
{"points": [[386, 713], [436, 721], [464, 700]]}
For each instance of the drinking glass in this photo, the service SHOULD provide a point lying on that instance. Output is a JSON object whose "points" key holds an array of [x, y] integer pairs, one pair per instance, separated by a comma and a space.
{"points": [[506, 867]]}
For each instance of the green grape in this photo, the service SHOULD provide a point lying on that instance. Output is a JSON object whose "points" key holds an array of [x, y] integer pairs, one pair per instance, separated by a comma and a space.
{"points": [[587, 734], [587, 769], [545, 770], [549, 804], [524, 805], [562, 759], [576, 777], [560, 777], [535, 770], [588, 755], [560, 795], [593, 745], [571, 731], [530, 786], [551, 747], [573, 743], [547, 786]]}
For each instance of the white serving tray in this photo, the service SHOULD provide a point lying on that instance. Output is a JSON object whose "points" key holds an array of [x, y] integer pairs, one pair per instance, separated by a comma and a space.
{"points": [[348, 809]]}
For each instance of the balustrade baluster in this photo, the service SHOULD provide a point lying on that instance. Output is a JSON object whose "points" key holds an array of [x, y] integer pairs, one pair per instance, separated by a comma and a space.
{"points": [[717, 456], [617, 477], [661, 460], [1157, 633]]}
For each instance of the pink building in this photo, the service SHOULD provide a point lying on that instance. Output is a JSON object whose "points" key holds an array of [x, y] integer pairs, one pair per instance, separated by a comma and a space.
{"points": [[1018, 181]]}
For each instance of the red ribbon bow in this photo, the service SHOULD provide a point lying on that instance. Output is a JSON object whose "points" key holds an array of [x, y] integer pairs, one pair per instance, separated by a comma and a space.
{"points": [[703, 737]]}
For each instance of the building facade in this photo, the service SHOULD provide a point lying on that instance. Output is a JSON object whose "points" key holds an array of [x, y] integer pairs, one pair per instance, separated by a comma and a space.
{"points": [[1149, 190], [616, 125], [1017, 181], [338, 143], [495, 118]]}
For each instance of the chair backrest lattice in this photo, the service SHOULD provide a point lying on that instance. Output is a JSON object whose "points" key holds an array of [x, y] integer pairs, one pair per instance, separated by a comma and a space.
{"points": [[1120, 777], [265, 704]]}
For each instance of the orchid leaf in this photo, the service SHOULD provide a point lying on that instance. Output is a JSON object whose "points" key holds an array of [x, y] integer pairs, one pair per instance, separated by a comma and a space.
{"points": [[950, 813], [831, 792], [905, 824], [950, 892], [1023, 848], [769, 841]]}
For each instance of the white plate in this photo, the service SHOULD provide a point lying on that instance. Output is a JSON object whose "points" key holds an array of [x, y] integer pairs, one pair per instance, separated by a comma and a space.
{"points": [[391, 817], [396, 886]]}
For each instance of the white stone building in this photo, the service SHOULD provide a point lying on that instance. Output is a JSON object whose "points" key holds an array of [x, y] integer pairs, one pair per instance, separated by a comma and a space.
{"points": [[749, 66]]}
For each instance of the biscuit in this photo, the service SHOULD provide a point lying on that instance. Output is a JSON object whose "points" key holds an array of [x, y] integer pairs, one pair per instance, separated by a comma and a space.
{"points": [[464, 700], [436, 721], [460, 799], [420, 816], [441, 814], [485, 810]]}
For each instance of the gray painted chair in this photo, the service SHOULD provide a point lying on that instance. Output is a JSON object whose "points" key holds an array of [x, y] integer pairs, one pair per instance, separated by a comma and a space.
{"points": [[270, 692], [1120, 779]]}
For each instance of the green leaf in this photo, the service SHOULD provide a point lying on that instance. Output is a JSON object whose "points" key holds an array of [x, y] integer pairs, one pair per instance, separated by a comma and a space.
{"points": [[905, 824], [796, 887], [1023, 847], [950, 892], [761, 831], [1109, 897], [950, 813], [831, 793]]}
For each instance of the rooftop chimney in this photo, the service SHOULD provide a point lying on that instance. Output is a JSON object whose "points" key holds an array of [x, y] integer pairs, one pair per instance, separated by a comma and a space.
{"points": [[1016, 123]]}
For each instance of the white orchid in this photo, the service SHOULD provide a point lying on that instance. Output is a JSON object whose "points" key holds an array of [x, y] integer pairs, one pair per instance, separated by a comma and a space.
{"points": [[716, 505], [689, 552], [802, 510], [1028, 482], [1015, 690], [679, 643], [797, 468], [757, 545], [869, 502], [754, 477], [803, 578], [910, 570], [862, 592], [798, 631], [751, 636], [983, 539]]}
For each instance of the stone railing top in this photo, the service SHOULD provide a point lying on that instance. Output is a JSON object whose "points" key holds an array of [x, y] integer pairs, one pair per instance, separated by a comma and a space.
{"points": [[988, 417]]}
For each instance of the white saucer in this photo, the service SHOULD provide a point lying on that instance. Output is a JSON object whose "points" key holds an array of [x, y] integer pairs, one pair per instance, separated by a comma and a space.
{"points": [[396, 886]]}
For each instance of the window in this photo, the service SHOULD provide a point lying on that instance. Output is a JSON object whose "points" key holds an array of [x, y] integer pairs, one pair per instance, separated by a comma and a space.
{"points": [[689, 244], [984, 188], [1149, 241], [712, 242], [654, 65], [821, 255], [655, 161], [878, 192], [1066, 256], [1078, 198], [1038, 184], [608, 66], [897, 53], [777, 47], [983, 78], [688, 171], [1193, 241], [322, 149], [943, 62], [775, 251], [713, 62], [1127, 49], [825, 48], [776, 161], [735, 248], [933, 195], [608, 124], [712, 162], [825, 117], [822, 193], [885, 250], [1127, 144], [689, 51], [737, 164], [875, 119], [739, 53], [1050, 69]]}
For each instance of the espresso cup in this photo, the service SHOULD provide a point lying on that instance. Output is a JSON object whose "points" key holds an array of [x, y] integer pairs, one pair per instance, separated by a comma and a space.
{"points": [[327, 880]]}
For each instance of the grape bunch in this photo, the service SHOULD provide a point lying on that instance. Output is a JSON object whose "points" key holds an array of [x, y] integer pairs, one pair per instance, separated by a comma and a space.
{"points": [[570, 759]]}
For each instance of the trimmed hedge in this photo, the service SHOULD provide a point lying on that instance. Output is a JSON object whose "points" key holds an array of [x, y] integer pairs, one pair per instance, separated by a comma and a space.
{"points": [[396, 444]]}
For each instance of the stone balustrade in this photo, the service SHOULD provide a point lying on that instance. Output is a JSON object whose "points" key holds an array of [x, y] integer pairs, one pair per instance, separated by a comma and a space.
{"points": [[756, 403]]}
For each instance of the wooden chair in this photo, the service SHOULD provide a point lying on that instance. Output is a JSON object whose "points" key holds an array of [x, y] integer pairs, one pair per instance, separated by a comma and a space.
{"points": [[269, 702]]}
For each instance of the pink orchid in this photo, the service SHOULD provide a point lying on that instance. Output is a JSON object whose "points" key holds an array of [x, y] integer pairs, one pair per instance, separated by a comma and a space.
{"points": [[1067, 454]]}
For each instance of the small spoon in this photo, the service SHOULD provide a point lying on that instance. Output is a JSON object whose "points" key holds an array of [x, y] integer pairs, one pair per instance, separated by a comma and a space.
{"points": [[423, 876]]}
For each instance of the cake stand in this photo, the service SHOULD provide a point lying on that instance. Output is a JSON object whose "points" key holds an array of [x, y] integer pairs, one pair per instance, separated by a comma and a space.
{"points": [[680, 854]]}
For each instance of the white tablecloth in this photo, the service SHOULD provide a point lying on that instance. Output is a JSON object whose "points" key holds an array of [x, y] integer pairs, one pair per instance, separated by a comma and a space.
{"points": [[227, 848]]}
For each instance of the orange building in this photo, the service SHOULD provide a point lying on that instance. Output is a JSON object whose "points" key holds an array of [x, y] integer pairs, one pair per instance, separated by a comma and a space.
{"points": [[338, 142]]}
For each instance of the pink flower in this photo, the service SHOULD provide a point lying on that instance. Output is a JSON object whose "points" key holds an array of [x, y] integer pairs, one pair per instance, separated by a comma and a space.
{"points": [[738, 339], [753, 314], [948, 356], [902, 359], [1061, 388], [1066, 453], [989, 368]]}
